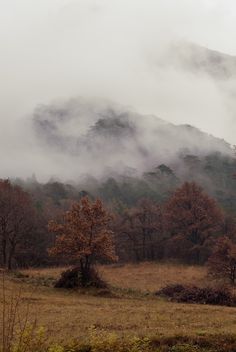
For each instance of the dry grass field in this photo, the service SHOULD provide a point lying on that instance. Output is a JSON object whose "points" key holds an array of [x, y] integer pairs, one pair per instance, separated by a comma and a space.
{"points": [[151, 277], [146, 277], [71, 314]]}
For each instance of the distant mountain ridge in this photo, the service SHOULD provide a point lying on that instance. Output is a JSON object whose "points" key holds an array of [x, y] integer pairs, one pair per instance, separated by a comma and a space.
{"points": [[106, 136], [112, 152], [196, 58]]}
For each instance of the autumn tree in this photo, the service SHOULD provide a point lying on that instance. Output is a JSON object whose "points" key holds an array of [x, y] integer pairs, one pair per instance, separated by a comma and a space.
{"points": [[84, 236], [192, 217], [222, 262], [16, 220], [142, 226]]}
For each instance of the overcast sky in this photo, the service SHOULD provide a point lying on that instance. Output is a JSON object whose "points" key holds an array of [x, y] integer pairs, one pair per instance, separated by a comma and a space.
{"points": [[52, 49]]}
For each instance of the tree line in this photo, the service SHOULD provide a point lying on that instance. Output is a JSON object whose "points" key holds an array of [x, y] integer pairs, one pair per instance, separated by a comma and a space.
{"points": [[189, 226]]}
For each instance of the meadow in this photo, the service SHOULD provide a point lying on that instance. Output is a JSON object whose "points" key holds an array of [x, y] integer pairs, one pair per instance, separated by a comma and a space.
{"points": [[129, 309]]}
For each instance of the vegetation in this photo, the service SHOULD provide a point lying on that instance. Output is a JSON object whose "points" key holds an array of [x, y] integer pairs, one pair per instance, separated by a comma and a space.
{"points": [[222, 262], [115, 307], [201, 295], [16, 221], [143, 228], [19, 330], [128, 318], [83, 237], [191, 218], [81, 231]]}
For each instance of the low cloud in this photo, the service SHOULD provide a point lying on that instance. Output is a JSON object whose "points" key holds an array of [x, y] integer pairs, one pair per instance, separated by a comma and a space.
{"points": [[118, 51]]}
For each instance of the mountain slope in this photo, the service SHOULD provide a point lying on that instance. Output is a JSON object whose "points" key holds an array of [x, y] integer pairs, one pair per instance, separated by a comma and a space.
{"points": [[102, 136], [199, 59]]}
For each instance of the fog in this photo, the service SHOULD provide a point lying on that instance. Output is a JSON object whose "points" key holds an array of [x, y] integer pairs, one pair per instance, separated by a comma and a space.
{"points": [[116, 51]]}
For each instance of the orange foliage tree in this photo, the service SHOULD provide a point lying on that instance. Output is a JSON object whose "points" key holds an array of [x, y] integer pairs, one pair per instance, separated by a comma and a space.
{"points": [[222, 262], [84, 235], [192, 216]]}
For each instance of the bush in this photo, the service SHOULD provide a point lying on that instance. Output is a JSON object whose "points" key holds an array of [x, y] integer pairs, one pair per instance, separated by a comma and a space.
{"points": [[75, 277], [102, 341], [186, 348], [68, 279], [171, 291], [200, 295], [19, 329]]}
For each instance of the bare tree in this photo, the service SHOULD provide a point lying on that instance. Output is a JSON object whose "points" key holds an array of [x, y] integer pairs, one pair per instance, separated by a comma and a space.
{"points": [[16, 220]]}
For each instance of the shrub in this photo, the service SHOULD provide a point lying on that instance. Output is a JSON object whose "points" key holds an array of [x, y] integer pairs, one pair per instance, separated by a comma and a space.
{"points": [[201, 295], [75, 277], [19, 332], [102, 341], [31, 339], [185, 348], [171, 290]]}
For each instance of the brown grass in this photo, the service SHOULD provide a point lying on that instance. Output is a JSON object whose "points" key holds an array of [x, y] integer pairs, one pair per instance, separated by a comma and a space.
{"points": [[145, 276], [70, 314], [151, 277]]}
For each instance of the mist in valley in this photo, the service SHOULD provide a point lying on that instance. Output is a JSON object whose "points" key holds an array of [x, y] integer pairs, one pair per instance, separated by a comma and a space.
{"points": [[104, 88]]}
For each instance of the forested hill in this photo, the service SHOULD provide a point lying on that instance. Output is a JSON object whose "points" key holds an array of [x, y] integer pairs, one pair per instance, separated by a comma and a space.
{"points": [[199, 59], [215, 172], [121, 156], [100, 137]]}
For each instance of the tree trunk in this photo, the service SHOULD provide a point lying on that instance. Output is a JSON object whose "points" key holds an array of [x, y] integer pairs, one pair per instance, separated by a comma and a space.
{"points": [[10, 256], [144, 245], [9, 261], [4, 252]]}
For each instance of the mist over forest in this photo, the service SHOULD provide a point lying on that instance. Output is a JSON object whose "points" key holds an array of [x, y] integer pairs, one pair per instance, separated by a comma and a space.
{"points": [[124, 120], [68, 138], [109, 150], [84, 131], [120, 103], [118, 175], [84, 86], [100, 146]]}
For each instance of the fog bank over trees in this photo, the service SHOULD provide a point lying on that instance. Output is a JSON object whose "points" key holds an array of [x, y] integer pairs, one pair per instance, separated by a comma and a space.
{"points": [[167, 59]]}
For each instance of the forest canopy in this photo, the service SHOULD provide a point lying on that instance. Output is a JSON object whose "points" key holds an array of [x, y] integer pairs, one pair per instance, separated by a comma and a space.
{"points": [[154, 218]]}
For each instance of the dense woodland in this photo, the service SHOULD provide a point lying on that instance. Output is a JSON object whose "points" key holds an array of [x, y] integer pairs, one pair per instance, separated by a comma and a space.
{"points": [[157, 217]]}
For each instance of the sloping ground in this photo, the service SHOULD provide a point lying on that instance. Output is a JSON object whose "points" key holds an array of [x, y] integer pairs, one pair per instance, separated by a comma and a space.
{"points": [[82, 131], [127, 312], [143, 277], [152, 277], [69, 314]]}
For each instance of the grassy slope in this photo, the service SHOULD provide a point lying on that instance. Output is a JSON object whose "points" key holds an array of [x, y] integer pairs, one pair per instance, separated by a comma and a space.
{"points": [[70, 314], [146, 277]]}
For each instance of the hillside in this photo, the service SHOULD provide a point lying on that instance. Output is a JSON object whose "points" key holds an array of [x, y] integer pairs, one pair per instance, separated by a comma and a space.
{"points": [[120, 155], [126, 310], [199, 59]]}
